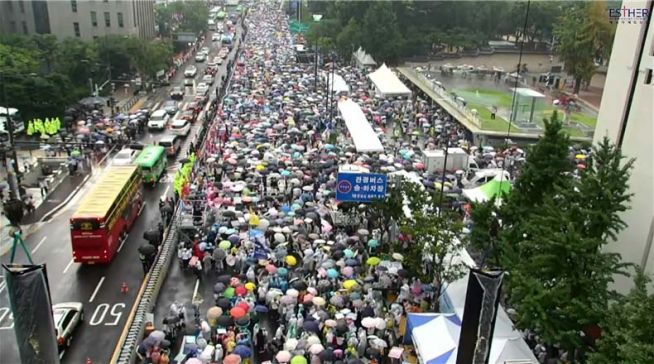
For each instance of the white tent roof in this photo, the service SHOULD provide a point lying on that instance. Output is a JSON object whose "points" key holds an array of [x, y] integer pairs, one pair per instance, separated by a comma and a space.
{"points": [[436, 338], [339, 83], [364, 58], [364, 137], [387, 82]]}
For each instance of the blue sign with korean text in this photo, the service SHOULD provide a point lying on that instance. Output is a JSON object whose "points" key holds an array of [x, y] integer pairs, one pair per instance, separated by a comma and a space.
{"points": [[360, 187]]}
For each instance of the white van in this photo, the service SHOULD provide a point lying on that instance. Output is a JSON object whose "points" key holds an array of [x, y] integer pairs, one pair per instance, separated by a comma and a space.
{"points": [[480, 177], [159, 120], [180, 127]]}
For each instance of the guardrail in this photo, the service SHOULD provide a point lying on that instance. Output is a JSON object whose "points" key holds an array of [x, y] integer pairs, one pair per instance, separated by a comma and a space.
{"points": [[153, 282]]}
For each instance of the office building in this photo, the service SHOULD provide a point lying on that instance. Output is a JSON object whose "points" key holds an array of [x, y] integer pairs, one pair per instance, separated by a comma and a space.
{"points": [[626, 116], [85, 19]]}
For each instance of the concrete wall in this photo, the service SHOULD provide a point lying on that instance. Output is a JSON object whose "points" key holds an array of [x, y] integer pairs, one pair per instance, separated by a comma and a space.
{"points": [[633, 128]]}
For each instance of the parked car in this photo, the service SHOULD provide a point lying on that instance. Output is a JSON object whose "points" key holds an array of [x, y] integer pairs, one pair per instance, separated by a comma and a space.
{"points": [[190, 71], [125, 157], [208, 79], [215, 37], [67, 316], [200, 57], [177, 93], [158, 120], [171, 107], [201, 89], [189, 114], [205, 50], [180, 127], [172, 143], [189, 82]]}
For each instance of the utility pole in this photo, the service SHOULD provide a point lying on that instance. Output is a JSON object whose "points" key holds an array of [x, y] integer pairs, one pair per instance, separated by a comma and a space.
{"points": [[316, 19], [12, 166]]}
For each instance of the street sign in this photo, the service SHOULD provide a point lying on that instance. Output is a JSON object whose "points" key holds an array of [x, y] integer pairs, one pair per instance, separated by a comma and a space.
{"points": [[360, 187], [296, 27]]}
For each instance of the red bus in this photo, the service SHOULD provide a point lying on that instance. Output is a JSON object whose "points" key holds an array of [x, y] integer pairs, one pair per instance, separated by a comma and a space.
{"points": [[106, 214]]}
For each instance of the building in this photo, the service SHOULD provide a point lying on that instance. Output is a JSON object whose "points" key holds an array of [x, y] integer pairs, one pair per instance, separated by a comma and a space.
{"points": [[626, 116], [85, 19]]}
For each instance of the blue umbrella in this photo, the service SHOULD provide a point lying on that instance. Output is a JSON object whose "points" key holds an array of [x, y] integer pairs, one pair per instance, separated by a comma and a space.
{"points": [[261, 309], [286, 173], [286, 208], [332, 273], [352, 262], [373, 243], [233, 239], [348, 253], [242, 351], [282, 271]]}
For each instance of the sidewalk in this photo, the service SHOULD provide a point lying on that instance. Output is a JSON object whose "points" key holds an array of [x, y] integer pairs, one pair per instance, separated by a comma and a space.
{"points": [[57, 197]]}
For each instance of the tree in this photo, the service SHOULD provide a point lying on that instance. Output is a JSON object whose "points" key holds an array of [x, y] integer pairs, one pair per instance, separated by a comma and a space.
{"points": [[186, 16], [628, 328], [583, 34], [433, 251], [559, 273], [483, 235], [381, 36]]}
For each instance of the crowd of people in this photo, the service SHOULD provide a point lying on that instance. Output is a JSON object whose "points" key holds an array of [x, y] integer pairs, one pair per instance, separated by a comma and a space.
{"points": [[291, 283]]}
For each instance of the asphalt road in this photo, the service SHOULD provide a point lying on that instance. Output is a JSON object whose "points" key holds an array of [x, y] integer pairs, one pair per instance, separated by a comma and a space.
{"points": [[97, 287]]}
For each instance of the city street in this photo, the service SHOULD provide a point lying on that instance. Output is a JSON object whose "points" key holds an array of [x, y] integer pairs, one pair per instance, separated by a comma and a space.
{"points": [[98, 287]]}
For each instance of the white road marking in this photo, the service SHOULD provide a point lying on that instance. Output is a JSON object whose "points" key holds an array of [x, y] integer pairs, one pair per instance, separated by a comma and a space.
{"points": [[3, 285], [195, 291], [68, 266], [121, 244], [165, 194], [97, 288], [39, 244]]}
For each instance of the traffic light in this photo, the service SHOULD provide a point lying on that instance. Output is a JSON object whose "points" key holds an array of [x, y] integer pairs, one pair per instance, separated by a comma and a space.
{"points": [[14, 211]]}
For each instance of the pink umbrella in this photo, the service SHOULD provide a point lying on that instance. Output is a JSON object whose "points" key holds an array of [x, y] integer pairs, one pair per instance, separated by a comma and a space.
{"points": [[420, 166], [347, 271], [283, 356], [197, 361], [316, 349], [230, 359], [271, 269], [307, 298]]}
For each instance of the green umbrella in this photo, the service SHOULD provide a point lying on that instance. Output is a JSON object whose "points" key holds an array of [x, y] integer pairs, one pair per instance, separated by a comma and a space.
{"points": [[299, 359], [225, 244], [373, 261], [229, 292]]}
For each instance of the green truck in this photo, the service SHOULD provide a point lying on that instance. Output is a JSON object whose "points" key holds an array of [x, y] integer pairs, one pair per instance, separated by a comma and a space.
{"points": [[152, 163]]}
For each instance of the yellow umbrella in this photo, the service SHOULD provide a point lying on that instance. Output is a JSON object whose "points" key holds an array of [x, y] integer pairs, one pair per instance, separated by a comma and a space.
{"points": [[373, 261], [260, 168], [250, 286], [350, 284], [290, 260], [580, 156]]}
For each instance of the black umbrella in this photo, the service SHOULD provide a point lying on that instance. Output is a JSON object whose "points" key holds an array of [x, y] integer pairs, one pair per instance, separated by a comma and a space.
{"points": [[243, 321], [218, 287], [224, 321], [311, 326], [223, 303], [341, 326], [151, 235], [326, 355], [300, 285], [147, 249], [338, 254], [367, 312]]}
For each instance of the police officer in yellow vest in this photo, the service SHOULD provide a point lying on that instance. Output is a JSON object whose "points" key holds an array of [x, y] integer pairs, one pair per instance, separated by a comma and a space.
{"points": [[30, 128]]}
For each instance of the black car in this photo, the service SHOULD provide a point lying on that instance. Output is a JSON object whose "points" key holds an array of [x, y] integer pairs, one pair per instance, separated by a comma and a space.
{"points": [[177, 93]]}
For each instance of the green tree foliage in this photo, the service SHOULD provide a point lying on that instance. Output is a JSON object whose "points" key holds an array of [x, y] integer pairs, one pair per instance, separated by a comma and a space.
{"points": [[559, 274], [628, 328], [391, 30], [483, 235], [185, 16], [584, 35]]}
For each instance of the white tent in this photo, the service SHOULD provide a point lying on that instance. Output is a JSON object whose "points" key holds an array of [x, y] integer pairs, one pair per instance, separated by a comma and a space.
{"points": [[387, 84], [437, 339], [493, 188], [363, 59], [339, 83], [364, 137]]}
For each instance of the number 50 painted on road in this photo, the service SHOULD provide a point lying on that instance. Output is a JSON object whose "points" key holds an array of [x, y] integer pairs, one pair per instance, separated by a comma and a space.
{"points": [[100, 313]]}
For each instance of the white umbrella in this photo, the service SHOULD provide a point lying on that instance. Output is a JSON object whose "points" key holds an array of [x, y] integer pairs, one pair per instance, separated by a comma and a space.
{"points": [[316, 349]]}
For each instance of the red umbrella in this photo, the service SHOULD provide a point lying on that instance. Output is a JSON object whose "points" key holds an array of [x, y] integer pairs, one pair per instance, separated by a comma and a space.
{"points": [[241, 291], [237, 312], [243, 305]]}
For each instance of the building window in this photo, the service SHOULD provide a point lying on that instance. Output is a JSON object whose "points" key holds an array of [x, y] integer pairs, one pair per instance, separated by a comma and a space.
{"points": [[76, 27], [12, 25], [107, 19], [94, 19], [120, 20], [24, 23], [21, 6], [73, 5], [10, 6]]}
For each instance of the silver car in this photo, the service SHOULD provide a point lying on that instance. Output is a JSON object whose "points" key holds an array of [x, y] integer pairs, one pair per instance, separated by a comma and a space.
{"points": [[67, 316]]}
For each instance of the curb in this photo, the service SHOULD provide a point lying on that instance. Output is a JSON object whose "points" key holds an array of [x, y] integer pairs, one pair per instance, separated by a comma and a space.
{"points": [[63, 203]]}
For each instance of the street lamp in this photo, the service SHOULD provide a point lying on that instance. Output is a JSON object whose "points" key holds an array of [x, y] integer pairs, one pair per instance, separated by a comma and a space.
{"points": [[316, 19]]}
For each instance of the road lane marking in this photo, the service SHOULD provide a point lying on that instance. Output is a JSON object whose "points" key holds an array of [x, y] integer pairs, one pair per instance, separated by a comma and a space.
{"points": [[68, 266], [3, 285], [39, 244], [130, 318], [195, 290], [165, 194], [97, 288]]}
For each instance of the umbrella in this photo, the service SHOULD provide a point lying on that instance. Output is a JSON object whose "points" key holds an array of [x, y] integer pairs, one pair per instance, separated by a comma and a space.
{"points": [[147, 249], [316, 349], [293, 293], [299, 359], [300, 285], [290, 344], [223, 303], [218, 287], [311, 326], [260, 309], [231, 359], [225, 244], [224, 321], [195, 361], [397, 256], [283, 356], [326, 355], [368, 322], [229, 292], [350, 284], [237, 312], [373, 261], [330, 323], [158, 335], [332, 273], [318, 301], [214, 312], [242, 351]]}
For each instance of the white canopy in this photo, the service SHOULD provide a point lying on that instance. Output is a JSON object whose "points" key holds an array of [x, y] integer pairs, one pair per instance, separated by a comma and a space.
{"points": [[363, 58], [387, 84], [364, 137], [339, 83]]}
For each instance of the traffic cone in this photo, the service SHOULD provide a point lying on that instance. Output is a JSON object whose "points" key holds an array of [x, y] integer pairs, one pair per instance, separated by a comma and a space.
{"points": [[124, 288]]}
